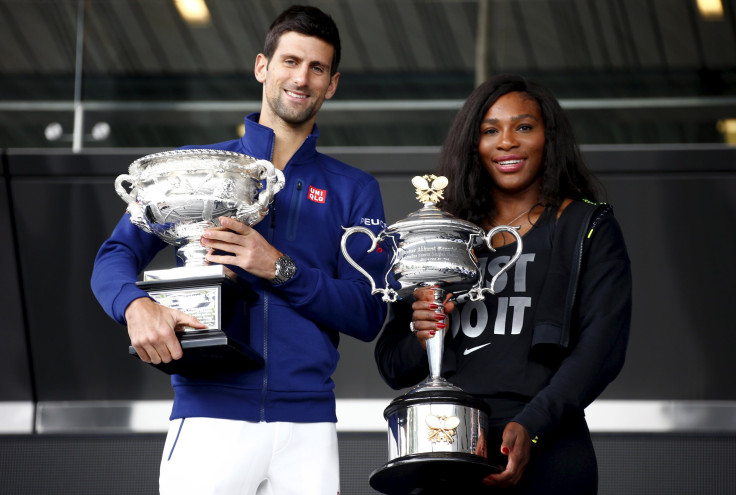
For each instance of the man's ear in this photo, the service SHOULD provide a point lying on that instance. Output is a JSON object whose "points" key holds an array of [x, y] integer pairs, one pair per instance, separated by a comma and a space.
{"points": [[261, 68], [333, 86]]}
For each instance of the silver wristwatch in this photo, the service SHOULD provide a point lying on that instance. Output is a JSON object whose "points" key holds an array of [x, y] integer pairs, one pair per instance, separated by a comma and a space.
{"points": [[285, 269]]}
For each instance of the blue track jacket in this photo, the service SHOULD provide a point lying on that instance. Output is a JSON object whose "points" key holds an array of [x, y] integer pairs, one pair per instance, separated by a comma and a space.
{"points": [[295, 326]]}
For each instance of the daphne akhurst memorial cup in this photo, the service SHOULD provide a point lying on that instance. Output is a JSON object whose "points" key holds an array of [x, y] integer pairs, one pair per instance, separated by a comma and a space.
{"points": [[436, 431], [176, 195]]}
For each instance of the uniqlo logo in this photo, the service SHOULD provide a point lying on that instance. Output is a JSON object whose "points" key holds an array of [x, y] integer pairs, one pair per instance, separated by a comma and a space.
{"points": [[317, 195]]}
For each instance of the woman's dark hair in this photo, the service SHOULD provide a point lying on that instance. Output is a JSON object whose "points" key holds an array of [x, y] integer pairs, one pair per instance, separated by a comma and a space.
{"points": [[306, 20], [564, 174]]}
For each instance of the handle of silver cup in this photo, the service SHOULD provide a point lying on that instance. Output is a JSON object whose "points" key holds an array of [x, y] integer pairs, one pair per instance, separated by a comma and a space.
{"points": [[274, 182], [135, 210], [389, 295], [477, 293]]}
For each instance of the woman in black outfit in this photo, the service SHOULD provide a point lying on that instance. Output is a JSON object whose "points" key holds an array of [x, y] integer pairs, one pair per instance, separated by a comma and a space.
{"points": [[555, 334]]}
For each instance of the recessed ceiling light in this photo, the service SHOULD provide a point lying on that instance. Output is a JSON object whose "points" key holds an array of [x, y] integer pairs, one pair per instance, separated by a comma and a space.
{"points": [[194, 12], [710, 9]]}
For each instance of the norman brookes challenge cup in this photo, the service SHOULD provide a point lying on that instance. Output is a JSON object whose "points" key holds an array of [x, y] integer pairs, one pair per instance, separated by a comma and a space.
{"points": [[176, 195], [436, 431]]}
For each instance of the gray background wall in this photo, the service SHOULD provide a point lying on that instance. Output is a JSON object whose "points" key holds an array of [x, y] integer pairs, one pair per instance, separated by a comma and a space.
{"points": [[677, 208], [676, 205]]}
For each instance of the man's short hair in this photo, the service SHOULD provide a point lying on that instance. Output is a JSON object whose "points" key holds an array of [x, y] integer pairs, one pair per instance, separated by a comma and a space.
{"points": [[306, 20]]}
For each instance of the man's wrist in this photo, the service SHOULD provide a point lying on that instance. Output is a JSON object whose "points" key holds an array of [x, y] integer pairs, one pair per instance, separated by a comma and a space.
{"points": [[285, 270]]}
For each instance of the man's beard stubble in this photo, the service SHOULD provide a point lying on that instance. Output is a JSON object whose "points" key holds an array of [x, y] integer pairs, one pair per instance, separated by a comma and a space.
{"points": [[290, 115]]}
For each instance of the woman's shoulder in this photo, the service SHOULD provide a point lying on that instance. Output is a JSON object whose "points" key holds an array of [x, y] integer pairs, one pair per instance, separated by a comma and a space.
{"points": [[584, 223], [594, 227], [577, 210], [565, 203]]}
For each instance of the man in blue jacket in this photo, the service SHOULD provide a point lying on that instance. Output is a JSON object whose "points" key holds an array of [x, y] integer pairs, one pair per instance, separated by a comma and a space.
{"points": [[268, 430]]}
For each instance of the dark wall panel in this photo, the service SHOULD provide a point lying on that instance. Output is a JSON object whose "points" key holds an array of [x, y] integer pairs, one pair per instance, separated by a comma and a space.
{"points": [[681, 233], [15, 384], [677, 208], [64, 210]]}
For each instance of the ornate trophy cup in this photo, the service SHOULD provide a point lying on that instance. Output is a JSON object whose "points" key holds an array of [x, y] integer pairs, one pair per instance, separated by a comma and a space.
{"points": [[436, 431], [176, 195]]}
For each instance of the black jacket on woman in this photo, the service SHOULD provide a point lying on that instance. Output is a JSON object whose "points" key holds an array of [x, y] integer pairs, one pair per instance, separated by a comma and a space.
{"points": [[555, 335]]}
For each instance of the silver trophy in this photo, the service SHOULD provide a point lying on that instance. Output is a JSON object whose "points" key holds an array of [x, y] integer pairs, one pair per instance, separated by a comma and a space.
{"points": [[176, 195], [436, 431]]}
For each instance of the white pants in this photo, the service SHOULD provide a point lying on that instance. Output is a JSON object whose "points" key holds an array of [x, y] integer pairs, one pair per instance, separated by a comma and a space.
{"points": [[206, 456]]}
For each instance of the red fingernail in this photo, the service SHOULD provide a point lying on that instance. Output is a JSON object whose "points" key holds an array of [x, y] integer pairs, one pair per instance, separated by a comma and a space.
{"points": [[439, 317], [432, 332], [440, 325], [433, 306], [505, 450]]}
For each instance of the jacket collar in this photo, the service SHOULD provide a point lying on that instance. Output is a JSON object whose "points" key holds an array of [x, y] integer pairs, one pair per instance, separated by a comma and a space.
{"points": [[258, 141]]}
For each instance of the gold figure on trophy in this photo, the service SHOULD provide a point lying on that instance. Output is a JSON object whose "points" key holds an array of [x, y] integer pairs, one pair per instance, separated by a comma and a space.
{"points": [[429, 188]]}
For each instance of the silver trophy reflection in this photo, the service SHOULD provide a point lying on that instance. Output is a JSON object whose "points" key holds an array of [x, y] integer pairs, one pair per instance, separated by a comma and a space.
{"points": [[436, 431], [176, 195]]}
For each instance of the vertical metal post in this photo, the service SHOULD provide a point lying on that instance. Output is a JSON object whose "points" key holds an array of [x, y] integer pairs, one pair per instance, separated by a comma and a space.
{"points": [[482, 69], [78, 107]]}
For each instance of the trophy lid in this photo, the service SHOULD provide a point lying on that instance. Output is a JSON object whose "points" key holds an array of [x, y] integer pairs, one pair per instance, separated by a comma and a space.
{"points": [[429, 191]]}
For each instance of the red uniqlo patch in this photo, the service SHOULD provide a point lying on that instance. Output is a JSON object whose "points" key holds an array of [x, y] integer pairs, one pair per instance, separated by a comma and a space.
{"points": [[317, 195]]}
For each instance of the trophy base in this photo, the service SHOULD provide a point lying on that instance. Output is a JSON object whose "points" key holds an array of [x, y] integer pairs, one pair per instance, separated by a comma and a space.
{"points": [[208, 353], [437, 441], [436, 472], [218, 302]]}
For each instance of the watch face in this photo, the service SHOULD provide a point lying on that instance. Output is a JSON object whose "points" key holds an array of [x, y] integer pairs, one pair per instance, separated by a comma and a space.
{"points": [[285, 269]]}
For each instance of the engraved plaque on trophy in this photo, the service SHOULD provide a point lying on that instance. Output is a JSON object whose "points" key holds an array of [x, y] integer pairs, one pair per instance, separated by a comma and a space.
{"points": [[176, 195], [436, 431]]}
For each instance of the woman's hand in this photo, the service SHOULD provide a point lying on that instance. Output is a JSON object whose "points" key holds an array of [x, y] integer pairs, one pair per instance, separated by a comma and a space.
{"points": [[427, 317], [517, 445]]}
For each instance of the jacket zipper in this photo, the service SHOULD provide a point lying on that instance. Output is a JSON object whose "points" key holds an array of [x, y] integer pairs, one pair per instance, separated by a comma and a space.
{"points": [[271, 228], [264, 390], [585, 232]]}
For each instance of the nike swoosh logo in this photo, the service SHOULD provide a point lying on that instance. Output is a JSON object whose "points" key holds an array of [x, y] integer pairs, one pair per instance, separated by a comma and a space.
{"points": [[473, 349]]}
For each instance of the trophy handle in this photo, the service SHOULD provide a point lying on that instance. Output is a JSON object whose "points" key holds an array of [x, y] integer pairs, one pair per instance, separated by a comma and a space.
{"points": [[122, 192], [274, 182], [389, 295], [137, 216], [476, 293], [252, 213]]}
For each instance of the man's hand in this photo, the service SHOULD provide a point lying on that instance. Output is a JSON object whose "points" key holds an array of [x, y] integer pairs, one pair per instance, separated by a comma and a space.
{"points": [[517, 445], [152, 330], [249, 250]]}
